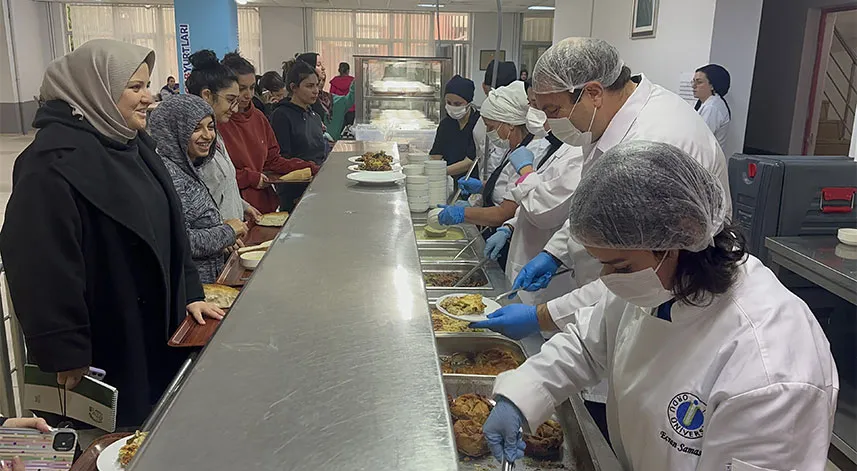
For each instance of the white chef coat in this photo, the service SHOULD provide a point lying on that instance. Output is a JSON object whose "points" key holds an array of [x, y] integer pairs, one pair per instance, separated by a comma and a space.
{"points": [[749, 377], [716, 115], [539, 148], [651, 113], [495, 154], [543, 199], [218, 174]]}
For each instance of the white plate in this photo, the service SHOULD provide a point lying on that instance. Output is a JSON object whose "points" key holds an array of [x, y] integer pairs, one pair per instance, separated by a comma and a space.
{"points": [[490, 306], [354, 160], [376, 178], [108, 460], [356, 168]]}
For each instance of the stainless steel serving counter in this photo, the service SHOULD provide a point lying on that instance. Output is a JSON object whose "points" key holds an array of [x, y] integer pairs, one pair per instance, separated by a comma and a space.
{"points": [[327, 361]]}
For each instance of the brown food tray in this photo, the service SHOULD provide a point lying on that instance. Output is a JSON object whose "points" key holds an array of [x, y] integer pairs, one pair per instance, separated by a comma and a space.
{"points": [[87, 461], [259, 234], [233, 273], [191, 334]]}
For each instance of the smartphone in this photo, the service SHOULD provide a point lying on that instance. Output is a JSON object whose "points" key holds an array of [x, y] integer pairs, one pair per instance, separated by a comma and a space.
{"points": [[39, 451]]}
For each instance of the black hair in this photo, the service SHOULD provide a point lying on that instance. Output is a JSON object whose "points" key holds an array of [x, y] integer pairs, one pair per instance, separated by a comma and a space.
{"points": [[344, 68], [208, 73], [170, 77], [298, 73], [701, 275], [238, 64], [618, 84], [720, 81], [506, 74], [272, 81], [310, 58]]}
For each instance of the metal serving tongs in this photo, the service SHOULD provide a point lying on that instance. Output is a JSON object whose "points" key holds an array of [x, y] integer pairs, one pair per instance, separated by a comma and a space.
{"points": [[458, 191], [469, 244], [471, 272], [515, 291]]}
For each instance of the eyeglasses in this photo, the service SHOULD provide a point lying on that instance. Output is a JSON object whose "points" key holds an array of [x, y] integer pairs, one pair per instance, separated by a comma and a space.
{"points": [[233, 102]]}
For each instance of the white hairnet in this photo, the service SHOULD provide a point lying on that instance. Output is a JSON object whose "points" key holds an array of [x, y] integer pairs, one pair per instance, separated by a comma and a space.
{"points": [[572, 62], [507, 104], [648, 196]]}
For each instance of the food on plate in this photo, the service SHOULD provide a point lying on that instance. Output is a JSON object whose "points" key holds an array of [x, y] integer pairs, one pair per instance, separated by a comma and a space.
{"points": [[433, 233], [449, 279], [220, 295], [376, 162], [469, 304], [546, 442], [129, 449], [273, 219], [452, 233], [469, 439], [302, 175], [444, 323], [490, 362], [470, 407]]}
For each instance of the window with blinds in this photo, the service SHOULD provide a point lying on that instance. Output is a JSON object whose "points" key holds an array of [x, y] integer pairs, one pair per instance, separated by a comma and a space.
{"points": [[153, 27], [536, 37], [341, 34]]}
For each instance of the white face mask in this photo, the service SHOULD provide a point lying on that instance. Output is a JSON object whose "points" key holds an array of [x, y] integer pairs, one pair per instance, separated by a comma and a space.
{"points": [[456, 112], [498, 141], [536, 122], [567, 132], [642, 288]]}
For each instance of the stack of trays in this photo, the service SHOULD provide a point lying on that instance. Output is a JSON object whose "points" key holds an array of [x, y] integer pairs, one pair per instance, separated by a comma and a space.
{"points": [[435, 171]]}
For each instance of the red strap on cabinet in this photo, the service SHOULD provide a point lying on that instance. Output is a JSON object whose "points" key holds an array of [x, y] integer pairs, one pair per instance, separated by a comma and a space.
{"points": [[837, 194]]}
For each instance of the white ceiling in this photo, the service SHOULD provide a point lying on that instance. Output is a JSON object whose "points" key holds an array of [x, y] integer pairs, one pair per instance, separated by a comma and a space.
{"points": [[449, 5]]}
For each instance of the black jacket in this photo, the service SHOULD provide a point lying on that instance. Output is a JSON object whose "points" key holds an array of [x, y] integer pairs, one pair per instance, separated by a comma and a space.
{"points": [[90, 283], [299, 132]]}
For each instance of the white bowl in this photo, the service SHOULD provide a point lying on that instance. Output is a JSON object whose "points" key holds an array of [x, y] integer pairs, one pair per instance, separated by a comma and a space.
{"points": [[433, 196], [418, 202], [437, 185], [435, 163], [251, 260], [432, 220], [414, 157], [847, 236], [413, 169], [423, 187], [416, 179], [418, 207]]}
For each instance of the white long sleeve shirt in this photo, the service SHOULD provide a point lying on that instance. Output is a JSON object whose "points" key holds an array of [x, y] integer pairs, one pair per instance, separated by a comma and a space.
{"points": [[716, 115], [748, 378]]}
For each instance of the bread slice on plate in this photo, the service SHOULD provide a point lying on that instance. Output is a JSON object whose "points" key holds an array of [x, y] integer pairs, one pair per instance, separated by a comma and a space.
{"points": [[273, 219], [220, 295]]}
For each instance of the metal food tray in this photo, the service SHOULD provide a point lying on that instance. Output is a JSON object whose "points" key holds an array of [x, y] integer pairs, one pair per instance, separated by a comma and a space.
{"points": [[469, 231], [449, 343], [441, 253], [457, 385], [461, 268]]}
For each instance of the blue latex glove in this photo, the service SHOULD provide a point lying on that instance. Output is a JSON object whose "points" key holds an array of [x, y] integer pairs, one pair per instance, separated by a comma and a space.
{"points": [[451, 215], [503, 431], [521, 157], [469, 186], [537, 273], [515, 321], [463, 203], [496, 242]]}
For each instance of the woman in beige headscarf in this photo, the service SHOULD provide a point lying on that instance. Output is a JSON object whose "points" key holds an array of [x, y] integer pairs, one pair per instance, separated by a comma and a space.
{"points": [[94, 244]]}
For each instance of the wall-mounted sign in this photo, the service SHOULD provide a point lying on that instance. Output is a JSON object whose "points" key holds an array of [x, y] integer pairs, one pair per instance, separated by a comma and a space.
{"points": [[184, 43]]}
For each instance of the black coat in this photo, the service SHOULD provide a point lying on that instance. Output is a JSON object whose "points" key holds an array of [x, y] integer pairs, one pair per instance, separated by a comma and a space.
{"points": [[299, 132], [89, 283]]}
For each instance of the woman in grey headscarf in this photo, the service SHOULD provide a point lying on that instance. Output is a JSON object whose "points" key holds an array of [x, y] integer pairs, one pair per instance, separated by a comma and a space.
{"points": [[112, 276], [184, 129]]}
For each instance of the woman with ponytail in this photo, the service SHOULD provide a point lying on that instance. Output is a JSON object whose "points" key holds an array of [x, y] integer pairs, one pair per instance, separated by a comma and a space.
{"points": [[710, 86]]}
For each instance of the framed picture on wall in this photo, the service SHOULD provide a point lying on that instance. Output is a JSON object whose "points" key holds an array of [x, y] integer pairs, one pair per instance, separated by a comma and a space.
{"points": [[486, 56], [644, 19]]}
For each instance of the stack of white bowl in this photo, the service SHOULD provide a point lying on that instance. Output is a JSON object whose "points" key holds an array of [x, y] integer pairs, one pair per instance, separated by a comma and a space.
{"points": [[417, 188], [435, 170], [417, 158]]}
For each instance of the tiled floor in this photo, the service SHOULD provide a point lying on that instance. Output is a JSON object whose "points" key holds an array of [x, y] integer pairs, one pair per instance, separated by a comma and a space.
{"points": [[12, 145]]}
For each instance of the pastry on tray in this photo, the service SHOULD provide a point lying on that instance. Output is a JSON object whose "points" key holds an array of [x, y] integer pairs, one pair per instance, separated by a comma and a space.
{"points": [[546, 442], [129, 449], [470, 407], [220, 295], [302, 175], [469, 439]]}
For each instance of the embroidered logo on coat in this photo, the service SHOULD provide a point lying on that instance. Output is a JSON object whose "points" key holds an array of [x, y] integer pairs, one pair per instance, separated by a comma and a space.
{"points": [[686, 414]]}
